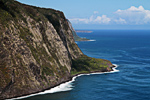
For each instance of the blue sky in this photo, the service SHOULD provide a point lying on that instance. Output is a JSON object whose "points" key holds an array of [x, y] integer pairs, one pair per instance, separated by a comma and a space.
{"points": [[101, 14]]}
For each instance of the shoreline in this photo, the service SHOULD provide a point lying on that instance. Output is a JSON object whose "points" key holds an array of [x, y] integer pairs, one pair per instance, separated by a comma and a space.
{"points": [[98, 72], [64, 86]]}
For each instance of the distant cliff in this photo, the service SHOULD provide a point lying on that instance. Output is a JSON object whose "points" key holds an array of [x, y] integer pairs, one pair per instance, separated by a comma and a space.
{"points": [[76, 37], [38, 51], [83, 31]]}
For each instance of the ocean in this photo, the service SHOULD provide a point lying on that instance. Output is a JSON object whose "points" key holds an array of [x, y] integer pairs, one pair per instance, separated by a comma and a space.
{"points": [[129, 50]]}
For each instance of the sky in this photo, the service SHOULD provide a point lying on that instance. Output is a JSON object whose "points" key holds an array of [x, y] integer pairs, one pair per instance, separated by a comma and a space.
{"points": [[101, 14]]}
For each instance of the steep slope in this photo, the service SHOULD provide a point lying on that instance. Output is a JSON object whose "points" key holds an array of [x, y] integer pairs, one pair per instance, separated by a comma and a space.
{"points": [[37, 49], [76, 37]]}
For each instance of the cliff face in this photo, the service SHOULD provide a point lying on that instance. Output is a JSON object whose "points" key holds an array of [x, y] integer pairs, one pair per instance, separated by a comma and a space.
{"points": [[76, 37], [37, 49]]}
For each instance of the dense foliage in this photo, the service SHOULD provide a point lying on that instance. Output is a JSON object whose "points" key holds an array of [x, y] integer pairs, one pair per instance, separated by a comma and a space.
{"points": [[85, 64]]}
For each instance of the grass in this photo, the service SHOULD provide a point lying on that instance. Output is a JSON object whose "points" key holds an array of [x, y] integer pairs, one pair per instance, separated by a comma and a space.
{"points": [[85, 64]]}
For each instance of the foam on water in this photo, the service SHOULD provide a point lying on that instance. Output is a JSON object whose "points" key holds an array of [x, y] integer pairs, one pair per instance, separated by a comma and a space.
{"points": [[62, 87], [91, 40], [114, 70], [85, 41], [67, 86], [76, 42]]}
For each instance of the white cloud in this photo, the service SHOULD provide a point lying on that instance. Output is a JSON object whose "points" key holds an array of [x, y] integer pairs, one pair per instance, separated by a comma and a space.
{"points": [[132, 8], [79, 20], [102, 19], [131, 16], [92, 20], [120, 21], [134, 15], [96, 12]]}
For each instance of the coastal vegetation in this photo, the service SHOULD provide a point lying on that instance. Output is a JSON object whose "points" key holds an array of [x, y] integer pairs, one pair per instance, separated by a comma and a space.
{"points": [[85, 64]]}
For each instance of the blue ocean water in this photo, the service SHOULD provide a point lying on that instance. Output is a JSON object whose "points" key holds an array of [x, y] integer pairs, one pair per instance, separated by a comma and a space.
{"points": [[130, 49]]}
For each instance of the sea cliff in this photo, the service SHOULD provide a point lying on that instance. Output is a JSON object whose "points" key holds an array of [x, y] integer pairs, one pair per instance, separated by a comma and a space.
{"points": [[38, 50], [76, 37]]}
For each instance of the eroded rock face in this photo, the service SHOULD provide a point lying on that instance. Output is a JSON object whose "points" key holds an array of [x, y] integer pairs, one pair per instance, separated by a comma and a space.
{"points": [[37, 49], [34, 55]]}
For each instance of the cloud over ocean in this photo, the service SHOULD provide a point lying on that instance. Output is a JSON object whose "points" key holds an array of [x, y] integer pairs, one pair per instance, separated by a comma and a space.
{"points": [[131, 16]]}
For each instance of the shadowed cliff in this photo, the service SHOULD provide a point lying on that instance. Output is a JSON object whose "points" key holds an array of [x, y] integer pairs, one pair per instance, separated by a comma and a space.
{"points": [[37, 50]]}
